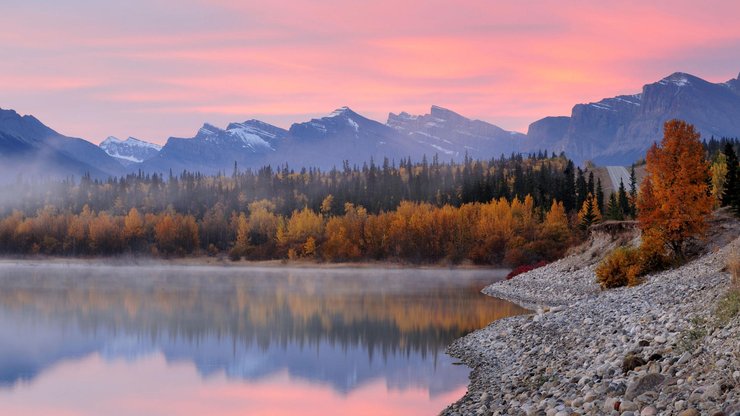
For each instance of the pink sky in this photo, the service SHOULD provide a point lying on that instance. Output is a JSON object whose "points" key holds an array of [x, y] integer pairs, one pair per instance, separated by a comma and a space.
{"points": [[158, 68]]}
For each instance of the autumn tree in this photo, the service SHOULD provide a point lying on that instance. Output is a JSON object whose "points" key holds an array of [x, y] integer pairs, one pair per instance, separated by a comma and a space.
{"points": [[105, 234], [300, 232], [345, 234], [133, 227], [165, 233], [674, 199]]}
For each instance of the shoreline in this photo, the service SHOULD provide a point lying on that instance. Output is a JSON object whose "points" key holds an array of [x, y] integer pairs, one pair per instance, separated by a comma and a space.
{"points": [[567, 357], [225, 262]]}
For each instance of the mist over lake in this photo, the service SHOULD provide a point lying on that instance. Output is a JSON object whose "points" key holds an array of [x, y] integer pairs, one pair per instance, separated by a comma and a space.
{"points": [[269, 340]]}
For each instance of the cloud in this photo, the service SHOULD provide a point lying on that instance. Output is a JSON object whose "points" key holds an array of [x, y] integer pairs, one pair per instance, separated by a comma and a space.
{"points": [[153, 69]]}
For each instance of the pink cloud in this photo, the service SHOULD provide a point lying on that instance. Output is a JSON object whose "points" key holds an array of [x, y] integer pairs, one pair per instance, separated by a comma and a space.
{"points": [[504, 62]]}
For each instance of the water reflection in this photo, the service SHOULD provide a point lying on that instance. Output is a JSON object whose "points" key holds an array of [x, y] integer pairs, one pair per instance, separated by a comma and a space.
{"points": [[346, 330]]}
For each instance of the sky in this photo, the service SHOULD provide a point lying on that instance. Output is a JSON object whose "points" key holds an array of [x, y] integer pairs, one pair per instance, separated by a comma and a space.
{"points": [[159, 68]]}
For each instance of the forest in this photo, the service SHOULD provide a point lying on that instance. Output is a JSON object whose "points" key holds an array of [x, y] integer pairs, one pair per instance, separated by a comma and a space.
{"points": [[512, 211]]}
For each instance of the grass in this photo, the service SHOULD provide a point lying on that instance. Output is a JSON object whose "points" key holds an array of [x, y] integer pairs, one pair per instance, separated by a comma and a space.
{"points": [[690, 338], [727, 308], [729, 305]]}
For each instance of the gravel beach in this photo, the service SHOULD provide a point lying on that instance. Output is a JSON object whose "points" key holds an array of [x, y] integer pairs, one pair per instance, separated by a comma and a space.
{"points": [[656, 348]]}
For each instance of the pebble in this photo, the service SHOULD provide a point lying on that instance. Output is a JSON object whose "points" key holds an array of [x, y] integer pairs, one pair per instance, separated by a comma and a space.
{"points": [[649, 411], [568, 359], [627, 405]]}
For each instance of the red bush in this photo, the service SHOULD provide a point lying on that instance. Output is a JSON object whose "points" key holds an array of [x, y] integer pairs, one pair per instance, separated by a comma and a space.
{"points": [[525, 268]]}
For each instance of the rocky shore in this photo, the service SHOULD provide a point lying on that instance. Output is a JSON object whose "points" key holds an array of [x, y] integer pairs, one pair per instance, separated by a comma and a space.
{"points": [[656, 348]]}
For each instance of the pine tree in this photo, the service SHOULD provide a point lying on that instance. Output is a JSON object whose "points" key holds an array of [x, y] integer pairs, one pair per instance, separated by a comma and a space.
{"points": [[624, 203], [568, 195], [590, 184], [581, 188], [731, 195], [613, 211], [633, 192], [589, 213], [600, 194]]}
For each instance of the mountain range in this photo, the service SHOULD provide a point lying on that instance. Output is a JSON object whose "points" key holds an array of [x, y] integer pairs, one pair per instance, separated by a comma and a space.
{"points": [[611, 131]]}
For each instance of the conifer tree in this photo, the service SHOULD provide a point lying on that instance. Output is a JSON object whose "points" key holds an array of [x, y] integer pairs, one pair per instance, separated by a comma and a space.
{"points": [[589, 213], [731, 194], [613, 211], [624, 203]]}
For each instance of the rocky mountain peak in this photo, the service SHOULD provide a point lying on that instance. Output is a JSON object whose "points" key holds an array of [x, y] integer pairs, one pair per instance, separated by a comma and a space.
{"points": [[343, 111]]}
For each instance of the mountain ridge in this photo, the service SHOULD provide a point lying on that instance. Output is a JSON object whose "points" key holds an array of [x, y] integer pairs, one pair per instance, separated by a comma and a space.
{"points": [[613, 130]]}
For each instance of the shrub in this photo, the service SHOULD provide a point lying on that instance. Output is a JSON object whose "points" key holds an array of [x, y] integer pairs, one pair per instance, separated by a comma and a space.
{"points": [[525, 268], [620, 268], [236, 253]]}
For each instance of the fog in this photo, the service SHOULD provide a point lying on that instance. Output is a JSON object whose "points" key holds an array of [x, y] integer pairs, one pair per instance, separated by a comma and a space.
{"points": [[321, 325]]}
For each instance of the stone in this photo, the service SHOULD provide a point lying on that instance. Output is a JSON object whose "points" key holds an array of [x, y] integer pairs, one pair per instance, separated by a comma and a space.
{"points": [[660, 339], [649, 411], [627, 405], [610, 404], [648, 382], [685, 357], [631, 362], [689, 412], [712, 392], [655, 357]]}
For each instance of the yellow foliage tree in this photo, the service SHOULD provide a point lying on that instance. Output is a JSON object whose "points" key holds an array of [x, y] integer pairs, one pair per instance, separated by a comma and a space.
{"points": [[674, 199]]}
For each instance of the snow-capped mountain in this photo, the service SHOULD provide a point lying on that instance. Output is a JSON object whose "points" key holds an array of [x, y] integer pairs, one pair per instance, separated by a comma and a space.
{"points": [[449, 134], [28, 147], [614, 130], [343, 135], [619, 130], [214, 149], [130, 150]]}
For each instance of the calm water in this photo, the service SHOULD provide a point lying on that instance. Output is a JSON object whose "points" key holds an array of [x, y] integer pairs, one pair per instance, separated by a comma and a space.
{"points": [[151, 340]]}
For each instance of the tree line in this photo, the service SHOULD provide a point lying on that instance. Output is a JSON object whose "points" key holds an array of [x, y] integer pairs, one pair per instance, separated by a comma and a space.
{"points": [[510, 210]]}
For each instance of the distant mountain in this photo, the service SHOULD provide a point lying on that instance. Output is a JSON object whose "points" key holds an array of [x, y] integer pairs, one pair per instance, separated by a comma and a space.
{"points": [[342, 135], [619, 130], [449, 134], [214, 150], [130, 150], [612, 131], [30, 148], [329, 141]]}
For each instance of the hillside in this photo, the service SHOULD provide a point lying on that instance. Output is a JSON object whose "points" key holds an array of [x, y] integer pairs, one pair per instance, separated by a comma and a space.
{"points": [[571, 355]]}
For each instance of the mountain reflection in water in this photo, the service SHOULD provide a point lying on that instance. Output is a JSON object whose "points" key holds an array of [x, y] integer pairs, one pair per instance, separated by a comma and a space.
{"points": [[338, 329]]}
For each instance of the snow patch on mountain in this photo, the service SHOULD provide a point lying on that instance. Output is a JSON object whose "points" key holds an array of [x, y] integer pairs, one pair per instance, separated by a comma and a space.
{"points": [[353, 124], [678, 79], [130, 150]]}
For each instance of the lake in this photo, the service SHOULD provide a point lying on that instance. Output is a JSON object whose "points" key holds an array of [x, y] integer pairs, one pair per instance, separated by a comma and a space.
{"points": [[156, 339]]}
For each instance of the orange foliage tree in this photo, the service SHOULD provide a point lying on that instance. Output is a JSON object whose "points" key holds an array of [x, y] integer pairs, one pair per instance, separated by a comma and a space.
{"points": [[674, 199]]}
